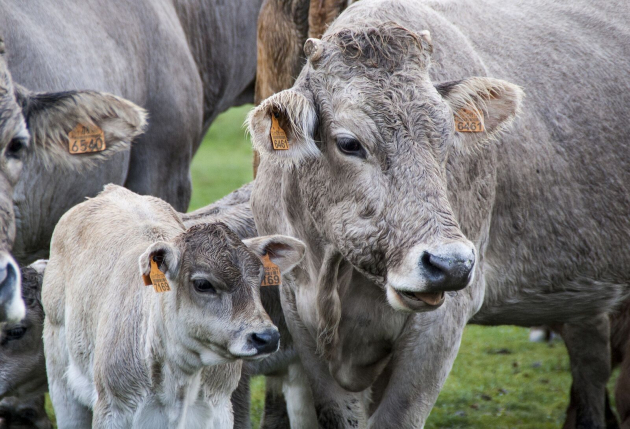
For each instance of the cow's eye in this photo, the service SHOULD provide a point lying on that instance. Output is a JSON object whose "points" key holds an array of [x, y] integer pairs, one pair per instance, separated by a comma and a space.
{"points": [[15, 333], [351, 147], [15, 148], [204, 286]]}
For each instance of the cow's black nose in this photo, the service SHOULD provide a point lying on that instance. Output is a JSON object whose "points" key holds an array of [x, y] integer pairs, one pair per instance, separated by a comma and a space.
{"points": [[448, 267], [266, 341]]}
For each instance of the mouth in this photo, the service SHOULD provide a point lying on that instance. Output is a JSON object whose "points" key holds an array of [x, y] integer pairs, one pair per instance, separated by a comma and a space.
{"points": [[414, 301]]}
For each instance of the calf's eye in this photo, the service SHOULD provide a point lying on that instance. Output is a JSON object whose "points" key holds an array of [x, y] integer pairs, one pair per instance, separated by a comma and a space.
{"points": [[204, 286], [15, 333], [351, 146]]}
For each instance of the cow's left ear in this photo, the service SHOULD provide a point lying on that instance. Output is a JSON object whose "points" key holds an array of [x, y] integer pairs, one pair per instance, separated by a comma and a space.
{"points": [[286, 252], [52, 118], [481, 107]]}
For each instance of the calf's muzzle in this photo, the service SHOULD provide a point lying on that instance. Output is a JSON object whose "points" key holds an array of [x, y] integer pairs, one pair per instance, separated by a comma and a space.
{"points": [[448, 267]]}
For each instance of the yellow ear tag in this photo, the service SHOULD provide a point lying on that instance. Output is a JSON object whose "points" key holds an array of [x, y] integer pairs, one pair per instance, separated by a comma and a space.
{"points": [[469, 121], [85, 139], [272, 273], [278, 136], [156, 278]]}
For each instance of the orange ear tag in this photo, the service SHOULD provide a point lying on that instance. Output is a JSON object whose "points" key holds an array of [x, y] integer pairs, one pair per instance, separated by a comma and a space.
{"points": [[156, 278], [469, 121], [85, 139], [278, 136], [272, 273]]}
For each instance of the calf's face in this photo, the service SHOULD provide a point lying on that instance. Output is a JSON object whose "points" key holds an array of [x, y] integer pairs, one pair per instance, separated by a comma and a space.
{"points": [[215, 302], [34, 143], [369, 138], [22, 364]]}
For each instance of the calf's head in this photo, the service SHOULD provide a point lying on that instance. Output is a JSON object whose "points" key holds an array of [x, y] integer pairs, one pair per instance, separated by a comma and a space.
{"points": [[34, 142], [22, 364], [214, 307], [369, 139]]}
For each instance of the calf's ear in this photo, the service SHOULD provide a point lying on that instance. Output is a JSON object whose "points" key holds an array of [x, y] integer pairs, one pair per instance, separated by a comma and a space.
{"points": [[165, 255], [283, 127], [50, 117], [481, 107], [286, 252]]}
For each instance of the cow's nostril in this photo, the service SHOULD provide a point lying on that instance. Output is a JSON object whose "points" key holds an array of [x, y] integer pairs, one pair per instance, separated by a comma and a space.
{"points": [[447, 268], [265, 341]]}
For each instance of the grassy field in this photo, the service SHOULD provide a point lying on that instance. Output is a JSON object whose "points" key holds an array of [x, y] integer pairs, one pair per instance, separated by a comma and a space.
{"points": [[499, 380]]}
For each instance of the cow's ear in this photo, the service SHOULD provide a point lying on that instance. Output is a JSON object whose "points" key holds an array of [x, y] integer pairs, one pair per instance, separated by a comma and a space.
{"points": [[166, 257], [481, 107], [285, 252], [283, 127], [51, 117]]}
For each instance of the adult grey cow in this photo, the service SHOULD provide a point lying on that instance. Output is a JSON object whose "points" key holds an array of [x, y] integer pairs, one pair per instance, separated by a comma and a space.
{"points": [[397, 207], [184, 61], [34, 156]]}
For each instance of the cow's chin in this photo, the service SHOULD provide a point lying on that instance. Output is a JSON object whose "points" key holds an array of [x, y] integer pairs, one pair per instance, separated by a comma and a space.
{"points": [[413, 301]]}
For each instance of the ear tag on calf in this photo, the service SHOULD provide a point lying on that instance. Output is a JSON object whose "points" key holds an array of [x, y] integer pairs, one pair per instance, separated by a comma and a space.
{"points": [[272, 272], [469, 121], [156, 278], [85, 139], [278, 136]]}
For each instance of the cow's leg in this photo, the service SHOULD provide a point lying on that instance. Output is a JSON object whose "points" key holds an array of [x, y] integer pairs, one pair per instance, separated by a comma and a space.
{"points": [[588, 344], [70, 413], [299, 398], [275, 414], [420, 364], [160, 159], [335, 407], [622, 391], [240, 402]]}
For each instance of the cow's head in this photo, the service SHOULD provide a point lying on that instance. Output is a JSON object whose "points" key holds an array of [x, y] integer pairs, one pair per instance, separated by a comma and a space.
{"points": [[36, 127], [369, 137], [215, 309]]}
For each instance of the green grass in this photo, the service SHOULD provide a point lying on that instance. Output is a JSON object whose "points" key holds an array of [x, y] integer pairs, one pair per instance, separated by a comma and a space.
{"points": [[499, 380]]}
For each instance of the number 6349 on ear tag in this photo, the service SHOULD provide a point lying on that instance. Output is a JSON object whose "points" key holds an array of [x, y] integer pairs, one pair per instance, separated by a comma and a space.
{"points": [[272, 273]]}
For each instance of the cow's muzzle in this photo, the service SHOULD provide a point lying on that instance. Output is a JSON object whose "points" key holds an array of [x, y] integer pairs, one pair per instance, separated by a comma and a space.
{"points": [[12, 307], [427, 273]]}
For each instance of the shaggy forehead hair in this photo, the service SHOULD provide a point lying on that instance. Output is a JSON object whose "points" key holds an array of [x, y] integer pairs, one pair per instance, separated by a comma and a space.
{"points": [[384, 46]]}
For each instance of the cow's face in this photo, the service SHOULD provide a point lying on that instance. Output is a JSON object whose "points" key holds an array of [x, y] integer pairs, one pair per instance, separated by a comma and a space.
{"points": [[369, 136], [34, 139], [215, 303]]}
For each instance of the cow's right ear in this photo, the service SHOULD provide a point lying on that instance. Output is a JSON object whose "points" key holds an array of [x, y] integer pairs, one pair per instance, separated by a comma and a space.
{"points": [[283, 127], [165, 255], [50, 117]]}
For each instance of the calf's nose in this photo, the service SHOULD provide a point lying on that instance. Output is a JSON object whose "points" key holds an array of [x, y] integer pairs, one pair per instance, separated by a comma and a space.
{"points": [[448, 267], [11, 304], [266, 341]]}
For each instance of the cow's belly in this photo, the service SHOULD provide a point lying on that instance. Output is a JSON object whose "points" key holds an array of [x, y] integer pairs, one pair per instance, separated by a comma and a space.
{"points": [[534, 301]]}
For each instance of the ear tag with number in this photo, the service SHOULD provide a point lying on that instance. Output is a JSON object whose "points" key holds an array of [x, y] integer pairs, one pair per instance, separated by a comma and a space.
{"points": [[469, 121], [272, 273], [156, 278], [278, 136], [85, 139]]}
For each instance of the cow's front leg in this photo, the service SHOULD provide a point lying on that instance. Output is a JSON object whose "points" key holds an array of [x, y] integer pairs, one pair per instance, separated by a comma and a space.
{"points": [[588, 344], [421, 361]]}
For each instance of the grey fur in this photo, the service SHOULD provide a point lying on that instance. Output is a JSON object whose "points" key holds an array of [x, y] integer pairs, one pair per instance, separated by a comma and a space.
{"points": [[184, 61], [544, 204]]}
